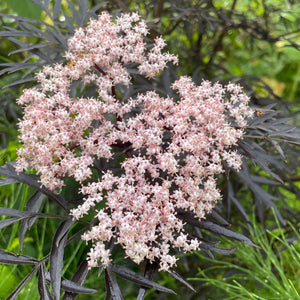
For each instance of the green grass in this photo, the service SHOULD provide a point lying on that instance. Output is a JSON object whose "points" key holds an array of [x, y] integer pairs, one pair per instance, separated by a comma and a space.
{"points": [[271, 273]]}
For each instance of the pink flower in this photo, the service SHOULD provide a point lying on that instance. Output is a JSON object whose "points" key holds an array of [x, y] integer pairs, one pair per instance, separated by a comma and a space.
{"points": [[174, 148]]}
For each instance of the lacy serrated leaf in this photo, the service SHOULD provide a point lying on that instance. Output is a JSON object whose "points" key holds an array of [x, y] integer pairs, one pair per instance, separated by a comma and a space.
{"points": [[33, 206], [180, 279], [92, 11], [9, 171], [13, 259], [11, 212], [7, 181], [214, 228], [31, 47], [112, 288], [208, 246], [57, 256], [79, 278], [43, 288], [56, 9], [8, 222], [150, 269], [71, 286], [75, 13], [138, 279]]}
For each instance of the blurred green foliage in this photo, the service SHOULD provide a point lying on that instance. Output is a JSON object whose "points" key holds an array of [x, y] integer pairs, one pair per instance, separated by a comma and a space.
{"points": [[25, 8]]}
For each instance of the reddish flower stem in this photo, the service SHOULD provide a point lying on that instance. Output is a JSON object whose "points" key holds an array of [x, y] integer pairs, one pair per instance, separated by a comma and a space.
{"points": [[113, 88]]}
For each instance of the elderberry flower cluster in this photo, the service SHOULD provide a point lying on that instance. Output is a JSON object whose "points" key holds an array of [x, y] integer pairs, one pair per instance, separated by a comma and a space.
{"points": [[173, 149]]}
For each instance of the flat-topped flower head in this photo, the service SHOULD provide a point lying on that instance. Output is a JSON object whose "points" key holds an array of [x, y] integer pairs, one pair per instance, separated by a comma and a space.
{"points": [[173, 148], [54, 122]]}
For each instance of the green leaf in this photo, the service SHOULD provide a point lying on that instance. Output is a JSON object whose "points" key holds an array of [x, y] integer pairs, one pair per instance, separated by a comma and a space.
{"points": [[24, 8]]}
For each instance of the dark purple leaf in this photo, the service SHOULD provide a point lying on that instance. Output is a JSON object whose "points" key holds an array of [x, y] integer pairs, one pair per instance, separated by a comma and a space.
{"points": [[21, 81], [218, 217], [241, 209], [263, 118], [24, 19], [79, 278], [56, 9], [17, 67], [11, 212], [225, 232], [138, 279], [265, 167], [29, 31], [16, 33], [33, 206], [112, 288], [8, 222], [13, 259], [71, 286], [74, 13], [231, 197], [31, 47], [43, 288], [263, 180], [9, 171], [293, 143], [41, 5], [83, 8], [261, 196], [69, 23], [214, 228], [108, 295], [180, 279], [101, 268], [60, 38], [36, 31], [209, 246], [7, 181], [166, 77], [93, 10], [57, 256], [150, 269]]}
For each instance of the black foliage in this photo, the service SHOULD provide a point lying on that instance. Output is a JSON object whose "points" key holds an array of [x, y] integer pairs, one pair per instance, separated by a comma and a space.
{"points": [[54, 39], [7, 181], [211, 247], [10, 221], [57, 256], [267, 131], [269, 143], [33, 205], [79, 277], [190, 219], [11, 258], [112, 288], [43, 288], [10, 173], [150, 270], [138, 279], [16, 214], [182, 280], [71, 286]]}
